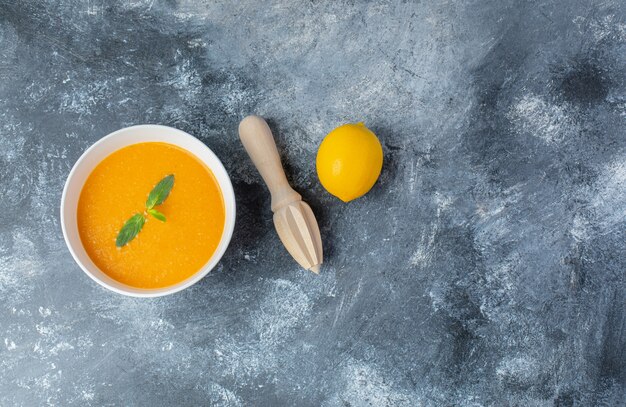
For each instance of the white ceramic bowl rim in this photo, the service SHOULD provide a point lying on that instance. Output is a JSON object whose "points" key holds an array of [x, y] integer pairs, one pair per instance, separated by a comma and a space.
{"points": [[103, 148]]}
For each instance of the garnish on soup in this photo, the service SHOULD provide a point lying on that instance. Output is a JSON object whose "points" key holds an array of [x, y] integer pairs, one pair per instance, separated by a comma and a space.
{"points": [[133, 226]]}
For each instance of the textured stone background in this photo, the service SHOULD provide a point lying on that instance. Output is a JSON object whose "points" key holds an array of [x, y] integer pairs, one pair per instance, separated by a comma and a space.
{"points": [[486, 268]]}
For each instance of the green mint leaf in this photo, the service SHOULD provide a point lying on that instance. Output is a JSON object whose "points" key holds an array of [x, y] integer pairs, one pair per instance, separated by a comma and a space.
{"points": [[158, 215], [130, 229], [160, 192]]}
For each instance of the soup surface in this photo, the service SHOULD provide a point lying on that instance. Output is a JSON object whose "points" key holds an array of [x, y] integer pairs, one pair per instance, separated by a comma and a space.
{"points": [[163, 253]]}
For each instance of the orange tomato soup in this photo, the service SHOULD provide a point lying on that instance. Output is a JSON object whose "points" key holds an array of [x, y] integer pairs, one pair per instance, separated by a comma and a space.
{"points": [[163, 253]]}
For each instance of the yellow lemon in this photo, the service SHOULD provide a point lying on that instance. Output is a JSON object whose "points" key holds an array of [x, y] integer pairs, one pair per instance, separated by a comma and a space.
{"points": [[349, 161]]}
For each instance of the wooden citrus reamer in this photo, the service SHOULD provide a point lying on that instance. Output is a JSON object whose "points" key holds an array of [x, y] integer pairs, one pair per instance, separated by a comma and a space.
{"points": [[293, 218]]}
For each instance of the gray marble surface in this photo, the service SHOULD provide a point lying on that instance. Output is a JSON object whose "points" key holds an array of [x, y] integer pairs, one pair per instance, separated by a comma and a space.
{"points": [[485, 268]]}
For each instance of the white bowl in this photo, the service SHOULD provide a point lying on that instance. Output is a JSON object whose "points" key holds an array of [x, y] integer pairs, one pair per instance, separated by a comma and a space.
{"points": [[113, 142]]}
